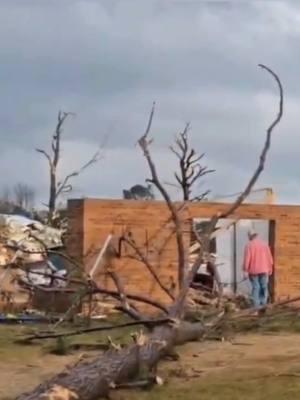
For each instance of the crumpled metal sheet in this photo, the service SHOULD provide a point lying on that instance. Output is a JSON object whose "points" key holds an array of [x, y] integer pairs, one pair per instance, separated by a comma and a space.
{"points": [[34, 271]]}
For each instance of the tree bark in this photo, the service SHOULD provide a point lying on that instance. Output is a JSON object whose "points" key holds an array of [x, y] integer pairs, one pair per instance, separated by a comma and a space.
{"points": [[52, 195], [91, 380]]}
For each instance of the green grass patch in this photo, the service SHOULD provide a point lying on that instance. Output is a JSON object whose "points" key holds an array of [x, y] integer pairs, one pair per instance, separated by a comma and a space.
{"points": [[9, 334]]}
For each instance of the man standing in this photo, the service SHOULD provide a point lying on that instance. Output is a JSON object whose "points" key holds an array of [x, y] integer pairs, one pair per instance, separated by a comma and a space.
{"points": [[258, 266]]}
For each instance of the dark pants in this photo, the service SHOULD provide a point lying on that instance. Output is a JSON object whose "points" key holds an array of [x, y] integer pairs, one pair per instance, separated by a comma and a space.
{"points": [[260, 290]]}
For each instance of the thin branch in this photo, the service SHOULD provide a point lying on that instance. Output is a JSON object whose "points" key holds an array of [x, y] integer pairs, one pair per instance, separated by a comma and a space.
{"points": [[97, 289], [209, 233], [149, 121], [46, 155], [147, 264], [175, 152], [202, 196], [61, 118], [144, 143], [172, 184], [146, 322], [267, 145], [64, 186], [131, 296], [126, 307], [47, 251], [77, 301], [177, 309], [78, 266], [178, 179], [190, 170], [202, 171]]}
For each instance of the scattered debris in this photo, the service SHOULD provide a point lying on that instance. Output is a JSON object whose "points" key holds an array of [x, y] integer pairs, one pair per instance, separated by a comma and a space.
{"points": [[27, 260], [28, 234], [198, 299], [26, 318]]}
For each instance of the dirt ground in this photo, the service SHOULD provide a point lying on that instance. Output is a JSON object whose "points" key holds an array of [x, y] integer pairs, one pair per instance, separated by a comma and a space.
{"points": [[254, 366]]}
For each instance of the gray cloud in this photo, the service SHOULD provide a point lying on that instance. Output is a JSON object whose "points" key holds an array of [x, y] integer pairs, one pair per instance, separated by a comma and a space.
{"points": [[108, 60]]}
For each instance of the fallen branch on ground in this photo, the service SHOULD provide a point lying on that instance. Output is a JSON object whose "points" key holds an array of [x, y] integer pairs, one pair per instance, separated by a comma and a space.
{"points": [[149, 323]]}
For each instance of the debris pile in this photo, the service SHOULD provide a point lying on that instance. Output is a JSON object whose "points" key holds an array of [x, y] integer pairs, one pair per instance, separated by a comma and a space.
{"points": [[25, 261], [198, 300], [27, 234]]}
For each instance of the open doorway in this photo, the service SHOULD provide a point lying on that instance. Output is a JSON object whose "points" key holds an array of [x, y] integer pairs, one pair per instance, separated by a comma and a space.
{"points": [[228, 248]]}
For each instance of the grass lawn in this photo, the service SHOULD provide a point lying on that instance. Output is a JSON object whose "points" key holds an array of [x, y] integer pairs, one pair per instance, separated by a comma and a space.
{"points": [[263, 363]]}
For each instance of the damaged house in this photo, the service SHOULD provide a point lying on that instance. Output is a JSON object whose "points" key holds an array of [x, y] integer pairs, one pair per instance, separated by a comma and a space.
{"points": [[23, 260], [92, 220]]}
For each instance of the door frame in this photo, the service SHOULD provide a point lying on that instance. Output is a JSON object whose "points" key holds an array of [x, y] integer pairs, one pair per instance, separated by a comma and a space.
{"points": [[272, 231]]}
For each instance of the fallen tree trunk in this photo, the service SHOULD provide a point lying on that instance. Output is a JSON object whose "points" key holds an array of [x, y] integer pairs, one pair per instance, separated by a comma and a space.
{"points": [[91, 380]]}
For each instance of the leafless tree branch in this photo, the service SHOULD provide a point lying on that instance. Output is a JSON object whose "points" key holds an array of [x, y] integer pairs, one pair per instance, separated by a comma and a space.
{"points": [[130, 241], [144, 143], [125, 305], [64, 186], [24, 196], [46, 155], [96, 289], [207, 235], [190, 170], [266, 147], [133, 297], [84, 280], [57, 188], [146, 322]]}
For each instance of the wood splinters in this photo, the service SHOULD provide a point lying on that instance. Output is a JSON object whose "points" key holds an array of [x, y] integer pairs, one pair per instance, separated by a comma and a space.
{"points": [[175, 322], [159, 381], [139, 338], [112, 345], [162, 343], [59, 393], [81, 358]]}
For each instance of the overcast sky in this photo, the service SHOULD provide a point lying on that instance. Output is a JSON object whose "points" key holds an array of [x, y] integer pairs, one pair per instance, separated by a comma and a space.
{"points": [[107, 61]]}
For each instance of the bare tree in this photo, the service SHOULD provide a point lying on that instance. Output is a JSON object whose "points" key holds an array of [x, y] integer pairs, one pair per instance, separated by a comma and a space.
{"points": [[18, 199], [95, 378], [190, 168], [6, 194], [59, 186], [24, 196]]}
